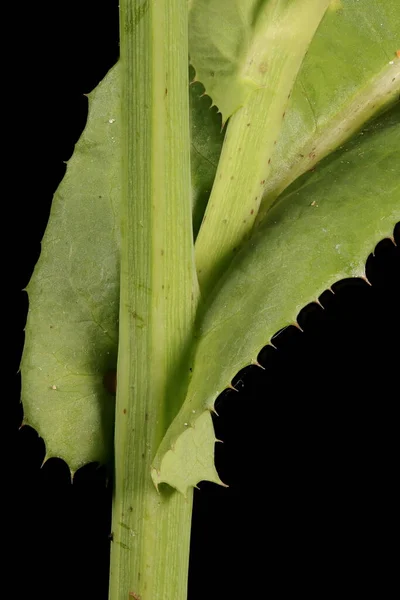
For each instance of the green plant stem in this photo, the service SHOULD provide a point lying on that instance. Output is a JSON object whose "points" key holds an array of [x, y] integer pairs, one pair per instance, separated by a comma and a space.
{"points": [[158, 298], [243, 170]]}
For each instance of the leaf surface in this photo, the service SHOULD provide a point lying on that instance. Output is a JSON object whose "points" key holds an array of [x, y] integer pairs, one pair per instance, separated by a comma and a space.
{"points": [[231, 41], [71, 334], [206, 143], [321, 231], [351, 72]]}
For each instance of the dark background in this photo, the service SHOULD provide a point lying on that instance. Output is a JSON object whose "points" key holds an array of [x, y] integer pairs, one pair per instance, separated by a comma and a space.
{"points": [[309, 444]]}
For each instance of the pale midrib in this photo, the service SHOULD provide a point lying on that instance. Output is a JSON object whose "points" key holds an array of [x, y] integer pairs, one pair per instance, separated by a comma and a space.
{"points": [[252, 132], [371, 99]]}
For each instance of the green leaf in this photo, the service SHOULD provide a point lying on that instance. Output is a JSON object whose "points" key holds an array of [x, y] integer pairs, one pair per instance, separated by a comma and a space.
{"points": [[321, 231], [72, 326], [230, 44], [206, 143], [351, 72]]}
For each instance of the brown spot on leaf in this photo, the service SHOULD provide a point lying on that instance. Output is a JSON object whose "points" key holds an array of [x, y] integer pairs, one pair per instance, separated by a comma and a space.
{"points": [[263, 67]]}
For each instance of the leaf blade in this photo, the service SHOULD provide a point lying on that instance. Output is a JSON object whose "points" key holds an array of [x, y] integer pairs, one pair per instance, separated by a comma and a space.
{"points": [[71, 330], [351, 73], [297, 255]]}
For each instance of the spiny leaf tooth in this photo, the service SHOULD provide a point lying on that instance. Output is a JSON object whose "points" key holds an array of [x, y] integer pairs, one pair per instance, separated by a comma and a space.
{"points": [[213, 410], [45, 459], [257, 364], [365, 278], [231, 387]]}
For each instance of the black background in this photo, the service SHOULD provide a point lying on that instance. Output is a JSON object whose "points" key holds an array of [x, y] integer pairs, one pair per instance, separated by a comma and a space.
{"points": [[309, 444]]}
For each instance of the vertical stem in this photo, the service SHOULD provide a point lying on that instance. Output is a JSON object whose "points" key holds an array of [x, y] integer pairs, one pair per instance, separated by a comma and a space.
{"points": [[159, 292]]}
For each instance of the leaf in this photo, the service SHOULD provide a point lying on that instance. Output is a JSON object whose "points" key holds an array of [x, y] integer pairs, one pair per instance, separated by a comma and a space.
{"points": [[72, 327], [206, 144], [321, 231], [350, 73], [220, 35], [230, 43], [71, 332]]}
